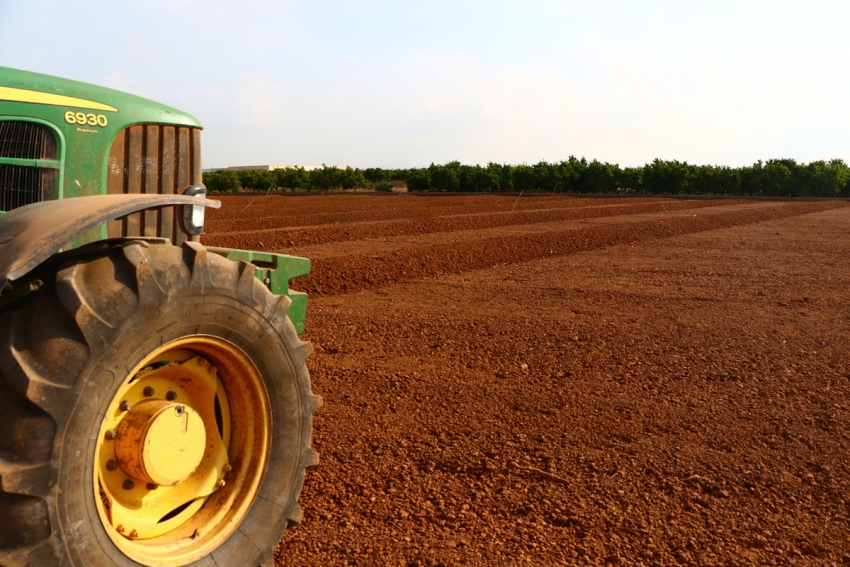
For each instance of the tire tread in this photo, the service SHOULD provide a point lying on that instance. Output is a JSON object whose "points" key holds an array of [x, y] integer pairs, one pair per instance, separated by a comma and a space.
{"points": [[72, 314]]}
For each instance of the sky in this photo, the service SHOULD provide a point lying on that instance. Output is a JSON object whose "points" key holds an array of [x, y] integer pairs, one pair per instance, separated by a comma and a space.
{"points": [[407, 83]]}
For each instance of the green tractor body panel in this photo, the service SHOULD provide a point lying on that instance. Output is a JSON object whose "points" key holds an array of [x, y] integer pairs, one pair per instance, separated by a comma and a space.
{"points": [[275, 270], [83, 140]]}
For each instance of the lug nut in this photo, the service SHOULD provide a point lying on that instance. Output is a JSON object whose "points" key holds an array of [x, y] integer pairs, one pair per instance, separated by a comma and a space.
{"points": [[171, 396], [227, 468], [134, 534], [128, 484], [120, 529], [111, 465], [221, 483], [152, 486], [125, 406], [111, 434], [148, 391]]}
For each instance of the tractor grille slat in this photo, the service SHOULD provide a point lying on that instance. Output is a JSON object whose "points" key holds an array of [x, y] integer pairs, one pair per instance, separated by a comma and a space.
{"points": [[151, 158]]}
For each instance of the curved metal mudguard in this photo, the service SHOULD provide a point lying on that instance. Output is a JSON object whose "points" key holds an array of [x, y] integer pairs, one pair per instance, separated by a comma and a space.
{"points": [[31, 234]]}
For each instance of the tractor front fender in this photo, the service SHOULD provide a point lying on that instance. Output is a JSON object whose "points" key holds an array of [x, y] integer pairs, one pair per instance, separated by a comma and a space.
{"points": [[31, 234]]}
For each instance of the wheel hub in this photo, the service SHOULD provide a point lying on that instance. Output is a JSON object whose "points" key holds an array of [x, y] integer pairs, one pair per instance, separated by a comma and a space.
{"points": [[174, 473], [160, 442], [165, 450]]}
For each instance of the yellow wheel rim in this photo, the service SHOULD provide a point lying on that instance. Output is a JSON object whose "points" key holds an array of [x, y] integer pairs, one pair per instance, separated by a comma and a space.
{"points": [[181, 451]]}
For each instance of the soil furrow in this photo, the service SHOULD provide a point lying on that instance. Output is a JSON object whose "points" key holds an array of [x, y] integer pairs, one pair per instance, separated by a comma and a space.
{"points": [[383, 245], [351, 273], [279, 239], [285, 212]]}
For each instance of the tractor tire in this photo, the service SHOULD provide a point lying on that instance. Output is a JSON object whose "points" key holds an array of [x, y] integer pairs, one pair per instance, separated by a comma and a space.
{"points": [[155, 409]]}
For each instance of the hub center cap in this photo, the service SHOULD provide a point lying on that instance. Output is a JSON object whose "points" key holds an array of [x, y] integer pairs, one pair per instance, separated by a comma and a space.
{"points": [[160, 442]]}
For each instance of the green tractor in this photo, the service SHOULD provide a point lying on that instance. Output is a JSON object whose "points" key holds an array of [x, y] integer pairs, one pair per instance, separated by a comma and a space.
{"points": [[155, 406]]}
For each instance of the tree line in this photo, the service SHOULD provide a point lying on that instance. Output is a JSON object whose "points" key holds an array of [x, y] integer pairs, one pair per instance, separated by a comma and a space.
{"points": [[777, 177], [288, 179]]}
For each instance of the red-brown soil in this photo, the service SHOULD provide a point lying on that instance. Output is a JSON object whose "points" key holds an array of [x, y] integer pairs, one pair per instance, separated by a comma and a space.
{"points": [[558, 381]]}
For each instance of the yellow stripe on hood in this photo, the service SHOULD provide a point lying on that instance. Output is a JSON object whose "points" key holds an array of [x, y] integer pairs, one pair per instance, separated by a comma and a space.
{"points": [[23, 95]]}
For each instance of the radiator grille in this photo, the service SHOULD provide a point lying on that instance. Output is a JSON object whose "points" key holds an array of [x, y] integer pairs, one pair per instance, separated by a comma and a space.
{"points": [[22, 185], [26, 140], [158, 160]]}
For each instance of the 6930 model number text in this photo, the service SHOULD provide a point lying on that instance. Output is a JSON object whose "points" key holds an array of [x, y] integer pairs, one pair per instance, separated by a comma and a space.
{"points": [[84, 119]]}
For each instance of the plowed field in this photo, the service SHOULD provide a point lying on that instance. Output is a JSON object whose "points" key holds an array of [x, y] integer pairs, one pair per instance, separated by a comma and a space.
{"points": [[558, 381]]}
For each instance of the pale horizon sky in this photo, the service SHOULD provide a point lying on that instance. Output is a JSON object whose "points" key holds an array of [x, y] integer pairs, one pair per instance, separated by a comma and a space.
{"points": [[405, 84]]}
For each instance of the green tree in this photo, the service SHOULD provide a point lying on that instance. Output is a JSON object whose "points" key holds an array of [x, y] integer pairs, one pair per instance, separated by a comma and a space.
{"points": [[351, 178], [484, 179], [525, 178], [445, 177], [291, 178], [502, 176], [376, 174], [666, 177], [567, 176], [777, 180], [839, 174], [326, 177], [545, 177], [256, 179], [418, 180], [702, 180], [600, 178], [631, 180], [221, 181], [727, 181], [826, 179]]}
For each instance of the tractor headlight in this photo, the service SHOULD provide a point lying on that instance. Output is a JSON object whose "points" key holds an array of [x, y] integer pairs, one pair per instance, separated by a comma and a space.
{"points": [[193, 215]]}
